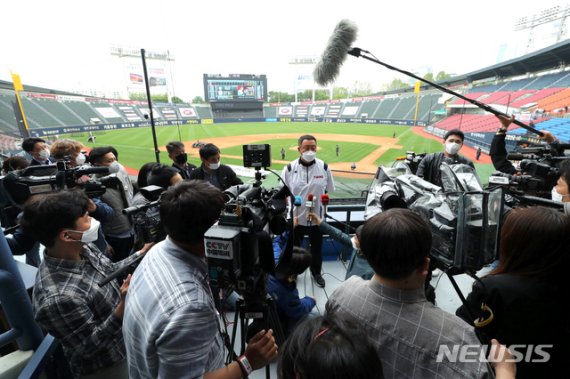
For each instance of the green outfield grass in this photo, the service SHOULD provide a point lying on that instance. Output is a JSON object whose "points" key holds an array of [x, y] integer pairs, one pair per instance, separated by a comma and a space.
{"points": [[135, 146]]}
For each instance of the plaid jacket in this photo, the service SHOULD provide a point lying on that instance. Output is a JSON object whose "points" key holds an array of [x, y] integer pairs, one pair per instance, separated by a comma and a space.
{"points": [[69, 304]]}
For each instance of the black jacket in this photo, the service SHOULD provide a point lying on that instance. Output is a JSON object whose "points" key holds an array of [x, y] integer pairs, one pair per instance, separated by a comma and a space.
{"points": [[185, 173], [226, 176], [526, 311], [498, 153], [429, 166]]}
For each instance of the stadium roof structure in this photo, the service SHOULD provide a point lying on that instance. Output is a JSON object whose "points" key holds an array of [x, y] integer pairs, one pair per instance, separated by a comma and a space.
{"points": [[551, 57], [548, 58], [10, 86]]}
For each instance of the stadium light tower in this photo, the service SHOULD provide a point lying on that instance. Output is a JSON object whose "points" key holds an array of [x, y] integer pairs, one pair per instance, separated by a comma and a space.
{"points": [[304, 65], [160, 69], [544, 17]]}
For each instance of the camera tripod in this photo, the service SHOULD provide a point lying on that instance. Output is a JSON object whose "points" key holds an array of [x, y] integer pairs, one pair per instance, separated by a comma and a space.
{"points": [[264, 316]]}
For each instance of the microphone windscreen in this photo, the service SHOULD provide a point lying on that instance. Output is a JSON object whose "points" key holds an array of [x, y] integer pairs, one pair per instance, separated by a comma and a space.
{"points": [[310, 197], [298, 200], [335, 53], [325, 199]]}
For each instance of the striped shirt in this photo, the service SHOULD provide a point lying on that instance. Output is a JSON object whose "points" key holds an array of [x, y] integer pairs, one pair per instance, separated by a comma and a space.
{"points": [[69, 304], [170, 324], [407, 330]]}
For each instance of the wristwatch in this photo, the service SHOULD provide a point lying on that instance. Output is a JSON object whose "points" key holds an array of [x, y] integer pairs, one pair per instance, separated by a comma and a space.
{"points": [[245, 366]]}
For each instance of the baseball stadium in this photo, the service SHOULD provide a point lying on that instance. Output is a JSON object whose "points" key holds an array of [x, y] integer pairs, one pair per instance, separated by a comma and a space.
{"points": [[356, 137]]}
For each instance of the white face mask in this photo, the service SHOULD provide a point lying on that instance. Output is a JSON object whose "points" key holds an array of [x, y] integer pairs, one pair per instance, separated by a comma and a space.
{"points": [[114, 167], [91, 234], [44, 155], [309, 156], [452, 148], [354, 244], [214, 166], [80, 159], [555, 196]]}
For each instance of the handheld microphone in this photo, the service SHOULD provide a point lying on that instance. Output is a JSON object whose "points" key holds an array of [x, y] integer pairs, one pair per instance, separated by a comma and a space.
{"points": [[309, 206], [335, 53], [297, 204], [298, 201], [325, 201]]}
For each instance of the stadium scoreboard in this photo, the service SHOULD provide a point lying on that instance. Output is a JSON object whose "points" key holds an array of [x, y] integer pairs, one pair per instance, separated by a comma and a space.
{"points": [[235, 88]]}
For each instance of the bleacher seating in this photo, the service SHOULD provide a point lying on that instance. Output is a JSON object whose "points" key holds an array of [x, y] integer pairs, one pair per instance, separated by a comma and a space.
{"points": [[368, 108], [403, 107], [516, 85], [537, 96], [470, 123], [546, 81], [204, 112], [555, 101], [38, 116], [8, 123], [269, 112]]}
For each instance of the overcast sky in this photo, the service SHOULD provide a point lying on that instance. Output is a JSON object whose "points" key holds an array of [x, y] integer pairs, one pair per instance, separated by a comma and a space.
{"points": [[65, 45]]}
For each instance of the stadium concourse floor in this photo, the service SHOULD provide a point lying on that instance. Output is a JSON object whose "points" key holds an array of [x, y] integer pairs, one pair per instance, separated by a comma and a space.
{"points": [[334, 273]]}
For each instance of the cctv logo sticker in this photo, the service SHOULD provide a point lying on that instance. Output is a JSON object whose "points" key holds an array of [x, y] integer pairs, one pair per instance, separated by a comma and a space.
{"points": [[219, 249]]}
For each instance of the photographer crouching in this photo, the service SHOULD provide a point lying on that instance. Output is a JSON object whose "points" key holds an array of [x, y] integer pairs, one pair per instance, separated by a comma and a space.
{"points": [[68, 304], [171, 327]]}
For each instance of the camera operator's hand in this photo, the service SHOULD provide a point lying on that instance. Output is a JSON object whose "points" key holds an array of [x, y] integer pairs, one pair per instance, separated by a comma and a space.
{"points": [[261, 349], [146, 247], [547, 136], [120, 309], [502, 361], [91, 206], [315, 219], [506, 121]]}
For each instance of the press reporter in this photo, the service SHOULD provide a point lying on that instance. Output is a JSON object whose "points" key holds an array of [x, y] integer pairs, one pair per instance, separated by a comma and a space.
{"points": [[171, 326], [528, 291], [67, 301]]}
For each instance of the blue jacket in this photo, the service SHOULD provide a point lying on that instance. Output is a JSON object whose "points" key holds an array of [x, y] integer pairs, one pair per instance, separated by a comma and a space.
{"points": [[290, 307], [358, 264]]}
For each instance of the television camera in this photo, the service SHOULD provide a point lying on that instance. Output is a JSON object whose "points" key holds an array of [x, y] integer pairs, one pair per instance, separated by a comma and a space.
{"points": [[464, 219], [20, 185], [239, 247], [538, 167], [146, 217]]}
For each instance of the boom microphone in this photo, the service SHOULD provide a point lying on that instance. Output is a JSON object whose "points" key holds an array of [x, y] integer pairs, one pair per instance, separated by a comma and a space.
{"points": [[335, 53]]}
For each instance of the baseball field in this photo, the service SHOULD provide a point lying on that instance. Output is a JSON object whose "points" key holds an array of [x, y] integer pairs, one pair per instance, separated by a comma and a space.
{"points": [[364, 146]]}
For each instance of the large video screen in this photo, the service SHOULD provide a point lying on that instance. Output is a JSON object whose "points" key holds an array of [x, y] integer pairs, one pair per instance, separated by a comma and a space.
{"points": [[235, 87]]}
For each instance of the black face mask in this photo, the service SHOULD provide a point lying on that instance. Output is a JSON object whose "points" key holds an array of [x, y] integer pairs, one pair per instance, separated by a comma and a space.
{"points": [[181, 158]]}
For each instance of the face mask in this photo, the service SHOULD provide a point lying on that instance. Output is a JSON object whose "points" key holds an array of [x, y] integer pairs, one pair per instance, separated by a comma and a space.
{"points": [[452, 148], [80, 159], [114, 167], [44, 155], [214, 166], [309, 156], [181, 158], [354, 244], [91, 234], [555, 196]]}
